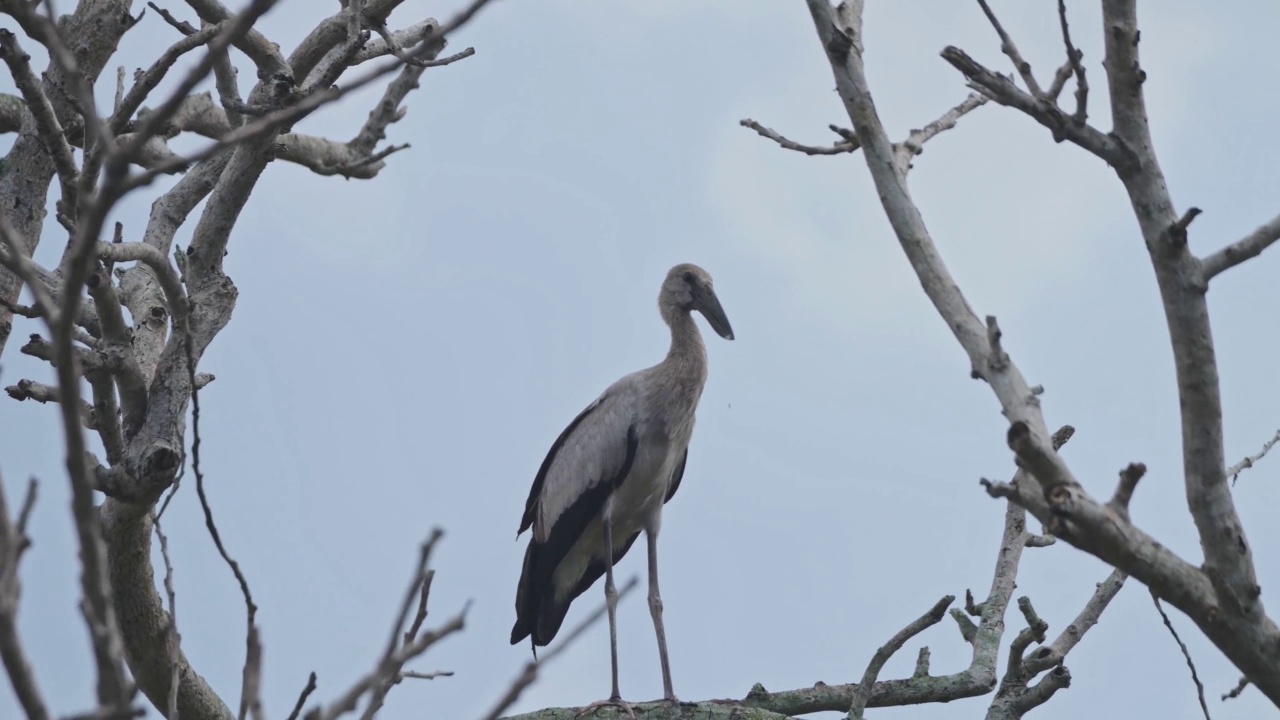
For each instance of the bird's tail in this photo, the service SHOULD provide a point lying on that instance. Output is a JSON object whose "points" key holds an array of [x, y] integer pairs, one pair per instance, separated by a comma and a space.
{"points": [[538, 612]]}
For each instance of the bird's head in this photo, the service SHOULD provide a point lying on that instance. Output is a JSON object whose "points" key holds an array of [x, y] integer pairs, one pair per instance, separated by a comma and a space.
{"points": [[688, 288]]}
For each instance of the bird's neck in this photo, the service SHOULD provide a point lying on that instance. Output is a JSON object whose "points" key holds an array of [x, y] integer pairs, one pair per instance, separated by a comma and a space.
{"points": [[687, 351]]}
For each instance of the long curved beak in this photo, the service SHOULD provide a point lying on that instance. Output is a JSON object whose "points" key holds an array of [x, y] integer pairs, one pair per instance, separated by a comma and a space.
{"points": [[709, 305]]}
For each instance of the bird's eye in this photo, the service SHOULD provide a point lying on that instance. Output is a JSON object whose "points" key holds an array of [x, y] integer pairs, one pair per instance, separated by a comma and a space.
{"points": [[688, 277]]}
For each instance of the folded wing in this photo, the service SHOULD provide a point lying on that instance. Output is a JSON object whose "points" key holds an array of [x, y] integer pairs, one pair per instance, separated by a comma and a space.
{"points": [[585, 464]]}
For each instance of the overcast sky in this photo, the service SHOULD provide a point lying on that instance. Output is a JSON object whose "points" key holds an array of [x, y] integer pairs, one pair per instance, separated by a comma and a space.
{"points": [[405, 350]]}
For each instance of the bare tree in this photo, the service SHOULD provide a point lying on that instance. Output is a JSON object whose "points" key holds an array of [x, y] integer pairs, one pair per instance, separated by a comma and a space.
{"points": [[153, 308], [1221, 593], [138, 336]]}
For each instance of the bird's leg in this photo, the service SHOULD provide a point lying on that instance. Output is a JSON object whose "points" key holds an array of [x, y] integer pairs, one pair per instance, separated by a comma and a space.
{"points": [[611, 604], [655, 609]]}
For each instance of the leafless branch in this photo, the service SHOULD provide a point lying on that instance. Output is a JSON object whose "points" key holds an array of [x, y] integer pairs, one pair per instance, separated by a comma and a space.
{"points": [[13, 541], [1016, 695], [1234, 692], [236, 29], [420, 587], [118, 343], [272, 67], [1009, 48], [47, 124], [1129, 478], [38, 347], [1246, 248], [277, 119], [1223, 597], [839, 148], [413, 674], [1002, 90], [390, 666], [106, 413], [1074, 57], [914, 144], [302, 697], [1060, 78], [161, 267], [40, 392], [1054, 653], [529, 674], [1195, 677], [249, 697], [13, 257], [976, 680], [175, 638], [932, 617], [404, 39], [1235, 470], [421, 617], [147, 81]]}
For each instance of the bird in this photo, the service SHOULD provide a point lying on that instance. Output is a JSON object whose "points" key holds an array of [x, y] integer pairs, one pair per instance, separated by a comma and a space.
{"points": [[608, 475]]}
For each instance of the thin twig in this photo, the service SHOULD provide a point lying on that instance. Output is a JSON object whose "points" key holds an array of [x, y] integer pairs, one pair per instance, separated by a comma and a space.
{"points": [[1008, 48], [239, 25], [13, 541], [252, 664], [50, 129], [1195, 677], [1072, 634], [914, 144], [175, 638], [151, 78], [302, 697], [839, 148], [529, 674], [1074, 57], [348, 700], [276, 119], [420, 586], [1235, 470], [421, 617], [15, 259], [1234, 692]]}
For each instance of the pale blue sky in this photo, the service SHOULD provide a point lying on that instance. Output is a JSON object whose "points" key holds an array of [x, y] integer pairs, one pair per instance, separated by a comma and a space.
{"points": [[404, 351]]}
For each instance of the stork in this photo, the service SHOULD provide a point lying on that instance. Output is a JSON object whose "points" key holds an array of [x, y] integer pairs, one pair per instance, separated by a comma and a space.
{"points": [[608, 475]]}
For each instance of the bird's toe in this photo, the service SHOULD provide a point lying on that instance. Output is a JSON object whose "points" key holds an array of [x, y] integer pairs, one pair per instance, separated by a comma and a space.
{"points": [[614, 702]]}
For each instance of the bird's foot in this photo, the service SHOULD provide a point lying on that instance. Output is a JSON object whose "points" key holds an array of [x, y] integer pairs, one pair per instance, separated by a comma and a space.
{"points": [[614, 701], [672, 700]]}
